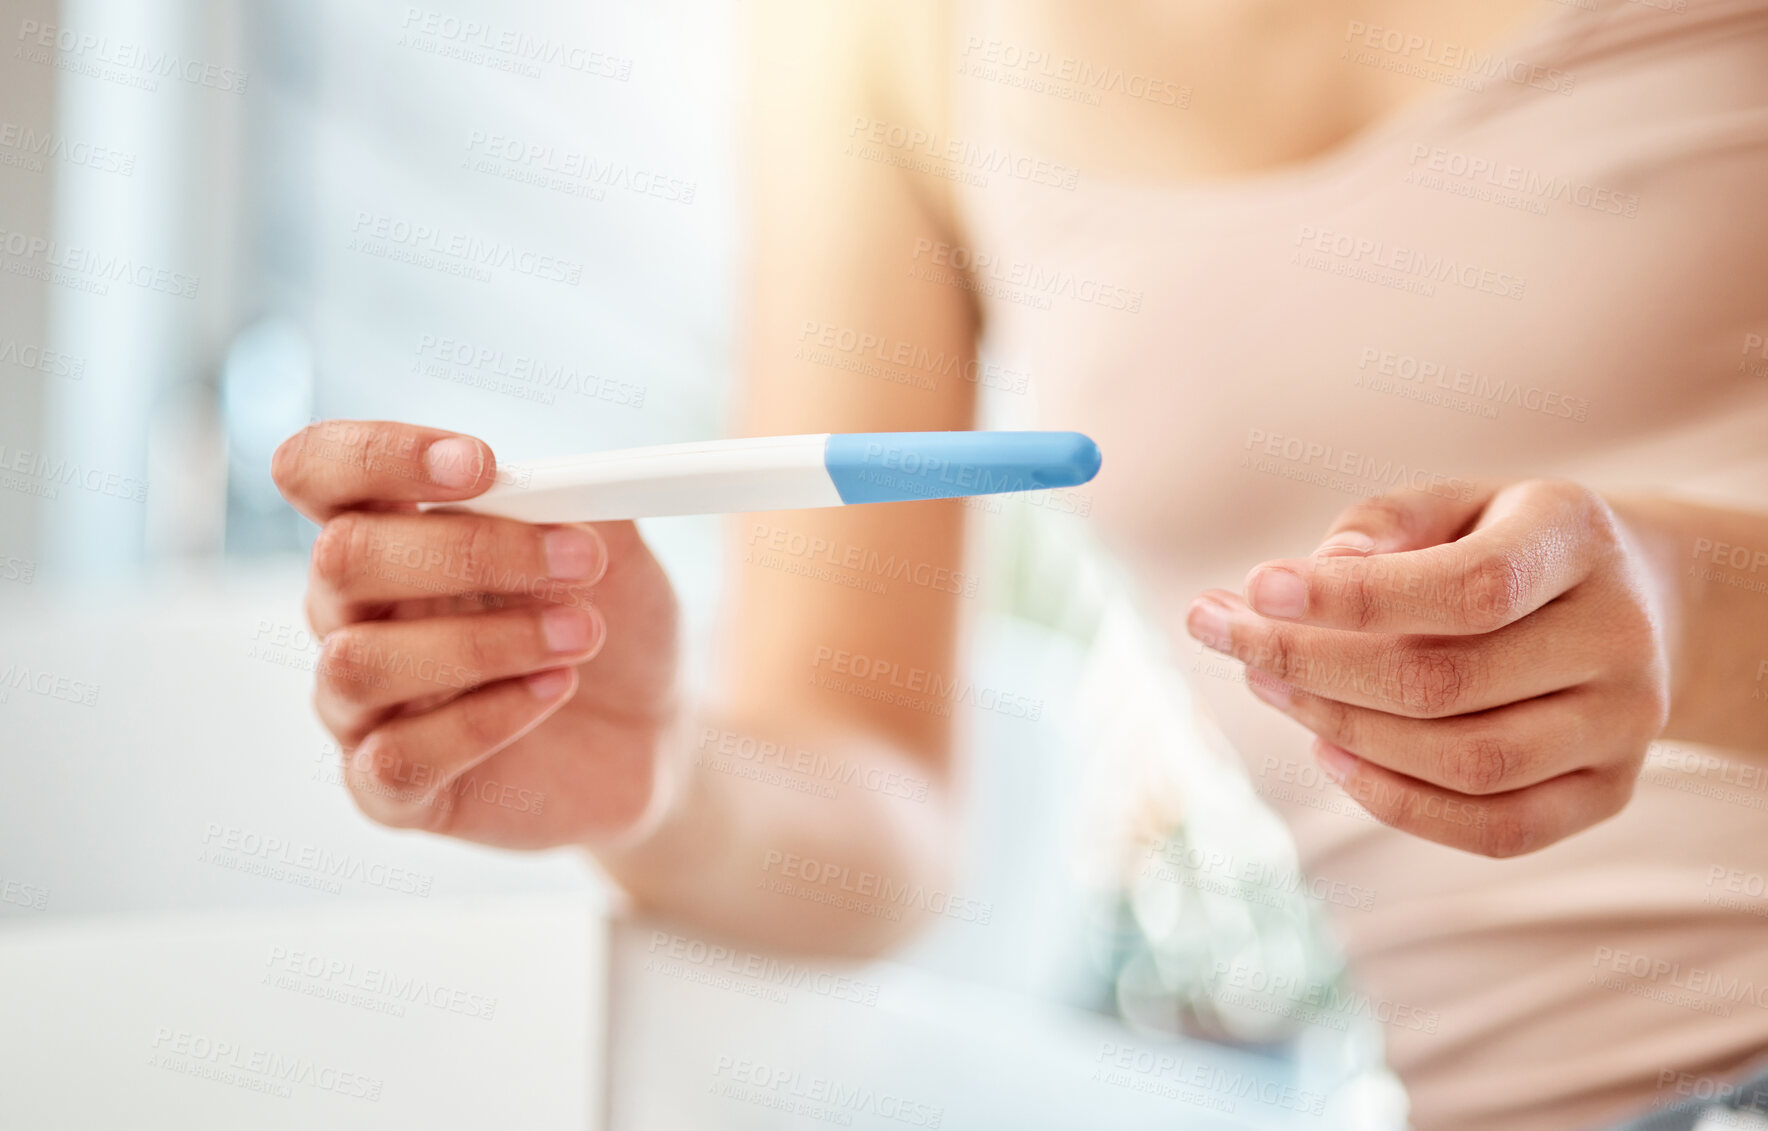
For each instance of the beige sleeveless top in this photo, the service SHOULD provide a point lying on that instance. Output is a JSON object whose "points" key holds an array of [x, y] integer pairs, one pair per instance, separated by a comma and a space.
{"points": [[1563, 274]]}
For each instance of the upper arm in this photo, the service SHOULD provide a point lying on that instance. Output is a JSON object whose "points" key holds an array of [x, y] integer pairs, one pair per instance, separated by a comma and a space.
{"points": [[831, 240]]}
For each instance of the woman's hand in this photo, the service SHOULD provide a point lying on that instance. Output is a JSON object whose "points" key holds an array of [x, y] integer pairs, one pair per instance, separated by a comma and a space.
{"points": [[486, 678], [1485, 672]]}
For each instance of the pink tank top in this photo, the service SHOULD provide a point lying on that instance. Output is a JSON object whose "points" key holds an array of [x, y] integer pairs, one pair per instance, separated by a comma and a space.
{"points": [[1561, 273]]}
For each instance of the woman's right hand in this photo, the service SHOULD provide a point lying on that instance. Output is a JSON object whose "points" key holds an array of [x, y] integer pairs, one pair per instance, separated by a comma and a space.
{"points": [[489, 679]]}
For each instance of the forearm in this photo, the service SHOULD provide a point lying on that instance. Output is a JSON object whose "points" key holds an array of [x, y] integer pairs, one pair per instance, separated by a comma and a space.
{"points": [[1709, 566], [815, 844]]}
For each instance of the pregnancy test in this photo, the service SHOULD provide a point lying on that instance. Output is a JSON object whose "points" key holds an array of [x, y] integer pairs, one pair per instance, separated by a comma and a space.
{"points": [[772, 473]]}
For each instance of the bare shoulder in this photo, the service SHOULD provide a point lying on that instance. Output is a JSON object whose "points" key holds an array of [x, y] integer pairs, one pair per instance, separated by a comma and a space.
{"points": [[824, 73]]}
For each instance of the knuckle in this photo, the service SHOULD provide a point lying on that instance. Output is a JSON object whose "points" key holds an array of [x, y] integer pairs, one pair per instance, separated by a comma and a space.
{"points": [[1384, 803], [1426, 681], [339, 549], [1277, 654], [1341, 723], [395, 776], [1360, 604], [1568, 492], [473, 547], [1493, 589], [481, 726], [1382, 511], [1482, 764], [343, 669], [479, 653], [346, 722]]}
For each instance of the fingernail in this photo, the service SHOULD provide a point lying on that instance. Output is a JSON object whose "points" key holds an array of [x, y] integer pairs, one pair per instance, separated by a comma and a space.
{"points": [[567, 630], [1346, 542], [575, 553], [1208, 623], [1278, 592], [1335, 761], [454, 462], [1273, 691], [549, 684]]}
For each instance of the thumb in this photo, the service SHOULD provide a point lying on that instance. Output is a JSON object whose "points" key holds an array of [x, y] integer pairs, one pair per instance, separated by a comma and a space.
{"points": [[1399, 522], [1406, 520]]}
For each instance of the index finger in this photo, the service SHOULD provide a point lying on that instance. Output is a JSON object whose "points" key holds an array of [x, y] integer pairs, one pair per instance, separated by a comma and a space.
{"points": [[1533, 542], [338, 465]]}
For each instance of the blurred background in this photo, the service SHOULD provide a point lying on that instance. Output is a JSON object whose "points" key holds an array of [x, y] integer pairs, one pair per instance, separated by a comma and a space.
{"points": [[219, 222], [224, 221]]}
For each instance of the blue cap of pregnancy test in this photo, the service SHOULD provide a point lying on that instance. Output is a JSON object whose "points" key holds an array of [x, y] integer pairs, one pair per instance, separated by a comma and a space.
{"points": [[893, 467]]}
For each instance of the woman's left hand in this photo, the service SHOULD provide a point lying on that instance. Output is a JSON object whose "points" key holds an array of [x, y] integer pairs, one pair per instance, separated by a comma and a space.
{"points": [[1484, 671]]}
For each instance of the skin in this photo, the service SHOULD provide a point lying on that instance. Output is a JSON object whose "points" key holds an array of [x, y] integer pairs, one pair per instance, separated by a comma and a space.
{"points": [[1483, 672], [1487, 673]]}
